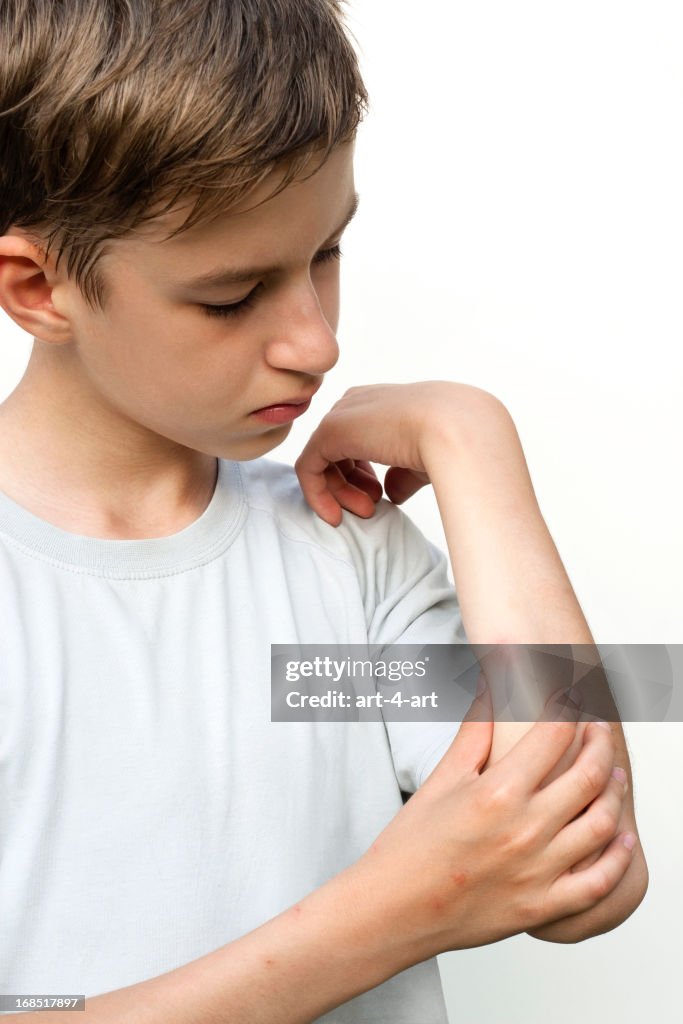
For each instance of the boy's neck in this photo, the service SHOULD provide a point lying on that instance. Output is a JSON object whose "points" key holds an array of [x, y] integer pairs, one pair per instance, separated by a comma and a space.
{"points": [[90, 472]]}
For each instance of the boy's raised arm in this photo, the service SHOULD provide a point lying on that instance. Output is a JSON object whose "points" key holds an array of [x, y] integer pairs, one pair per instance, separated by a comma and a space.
{"points": [[513, 589], [511, 584], [473, 857]]}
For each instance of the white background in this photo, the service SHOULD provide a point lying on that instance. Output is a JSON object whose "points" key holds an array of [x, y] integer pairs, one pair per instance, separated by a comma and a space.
{"points": [[521, 229]]}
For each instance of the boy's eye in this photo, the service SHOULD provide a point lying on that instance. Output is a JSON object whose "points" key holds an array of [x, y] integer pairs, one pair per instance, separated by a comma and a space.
{"points": [[234, 308], [325, 255]]}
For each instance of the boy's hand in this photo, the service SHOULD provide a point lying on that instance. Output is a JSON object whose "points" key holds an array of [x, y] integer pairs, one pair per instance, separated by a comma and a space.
{"points": [[473, 858], [383, 423]]}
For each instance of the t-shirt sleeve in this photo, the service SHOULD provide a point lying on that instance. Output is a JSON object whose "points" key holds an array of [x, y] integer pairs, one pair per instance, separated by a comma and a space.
{"points": [[408, 600]]}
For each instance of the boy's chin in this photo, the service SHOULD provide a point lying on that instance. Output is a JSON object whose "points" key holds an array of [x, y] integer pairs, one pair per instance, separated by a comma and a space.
{"points": [[252, 446]]}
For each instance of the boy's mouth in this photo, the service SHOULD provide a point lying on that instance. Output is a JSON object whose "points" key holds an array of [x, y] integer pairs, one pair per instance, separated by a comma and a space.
{"points": [[283, 412], [287, 408]]}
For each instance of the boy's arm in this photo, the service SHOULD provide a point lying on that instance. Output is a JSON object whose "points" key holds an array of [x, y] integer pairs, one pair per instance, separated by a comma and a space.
{"points": [[513, 588], [510, 581], [314, 956]]}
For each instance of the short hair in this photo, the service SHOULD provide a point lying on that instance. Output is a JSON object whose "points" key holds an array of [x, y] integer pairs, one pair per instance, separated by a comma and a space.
{"points": [[112, 112]]}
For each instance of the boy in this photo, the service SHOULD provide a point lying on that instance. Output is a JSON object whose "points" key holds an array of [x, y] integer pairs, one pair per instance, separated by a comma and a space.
{"points": [[167, 849]]}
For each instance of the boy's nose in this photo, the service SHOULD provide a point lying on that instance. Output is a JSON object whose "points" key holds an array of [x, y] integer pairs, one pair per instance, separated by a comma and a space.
{"points": [[303, 339]]}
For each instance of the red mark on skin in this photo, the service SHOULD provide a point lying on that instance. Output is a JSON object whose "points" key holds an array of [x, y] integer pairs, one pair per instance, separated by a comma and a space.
{"points": [[297, 909], [438, 903], [270, 963]]}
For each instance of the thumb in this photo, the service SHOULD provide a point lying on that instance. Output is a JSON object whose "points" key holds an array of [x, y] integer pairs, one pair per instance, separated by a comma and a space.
{"points": [[471, 747], [400, 483]]}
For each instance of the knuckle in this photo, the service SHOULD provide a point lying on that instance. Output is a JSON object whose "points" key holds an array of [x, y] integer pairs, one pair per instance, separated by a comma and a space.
{"points": [[599, 886], [499, 795], [603, 824], [523, 839]]}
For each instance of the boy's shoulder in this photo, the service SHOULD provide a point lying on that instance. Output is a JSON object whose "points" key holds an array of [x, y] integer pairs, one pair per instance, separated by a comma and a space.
{"points": [[273, 487], [401, 575]]}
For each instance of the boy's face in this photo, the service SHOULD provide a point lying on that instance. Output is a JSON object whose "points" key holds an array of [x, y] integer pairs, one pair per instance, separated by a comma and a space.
{"points": [[158, 358]]}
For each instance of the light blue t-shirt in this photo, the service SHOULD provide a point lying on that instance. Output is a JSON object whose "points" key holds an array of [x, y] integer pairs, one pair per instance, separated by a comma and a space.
{"points": [[150, 811]]}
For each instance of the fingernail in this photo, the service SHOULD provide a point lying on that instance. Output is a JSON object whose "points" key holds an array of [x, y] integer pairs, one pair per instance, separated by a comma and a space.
{"points": [[620, 775], [605, 725], [629, 840]]}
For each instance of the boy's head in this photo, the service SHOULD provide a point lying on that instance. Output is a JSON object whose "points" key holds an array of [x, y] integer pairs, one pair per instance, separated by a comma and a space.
{"points": [[148, 144]]}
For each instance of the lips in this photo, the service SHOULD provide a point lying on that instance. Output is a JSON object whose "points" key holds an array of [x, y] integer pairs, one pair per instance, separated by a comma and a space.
{"points": [[300, 400]]}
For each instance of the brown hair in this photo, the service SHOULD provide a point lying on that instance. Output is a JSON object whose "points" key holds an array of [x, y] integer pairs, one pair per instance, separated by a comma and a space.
{"points": [[114, 111]]}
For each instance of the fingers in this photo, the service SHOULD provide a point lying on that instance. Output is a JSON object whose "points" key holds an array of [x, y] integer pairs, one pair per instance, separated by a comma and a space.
{"points": [[346, 484], [314, 473], [565, 797], [347, 494], [400, 484], [363, 464], [527, 764], [574, 892], [363, 476], [590, 832], [329, 494]]}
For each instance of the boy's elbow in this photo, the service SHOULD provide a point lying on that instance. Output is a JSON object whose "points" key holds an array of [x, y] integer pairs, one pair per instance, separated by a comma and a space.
{"points": [[631, 899], [604, 917]]}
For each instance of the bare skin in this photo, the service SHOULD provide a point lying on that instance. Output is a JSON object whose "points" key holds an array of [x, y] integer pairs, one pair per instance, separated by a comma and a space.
{"points": [[122, 414]]}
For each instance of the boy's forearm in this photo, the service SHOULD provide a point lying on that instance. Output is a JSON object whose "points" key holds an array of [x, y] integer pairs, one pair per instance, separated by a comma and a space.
{"points": [[512, 588], [314, 956]]}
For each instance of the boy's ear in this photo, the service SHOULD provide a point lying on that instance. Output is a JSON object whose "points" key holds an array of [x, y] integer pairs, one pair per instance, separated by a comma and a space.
{"points": [[27, 280]]}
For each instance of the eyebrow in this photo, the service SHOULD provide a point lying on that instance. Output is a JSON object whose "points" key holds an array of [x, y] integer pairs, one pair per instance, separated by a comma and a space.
{"points": [[233, 275]]}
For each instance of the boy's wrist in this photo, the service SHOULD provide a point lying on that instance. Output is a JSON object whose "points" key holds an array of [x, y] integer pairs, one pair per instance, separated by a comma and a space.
{"points": [[472, 432], [460, 417], [346, 927]]}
